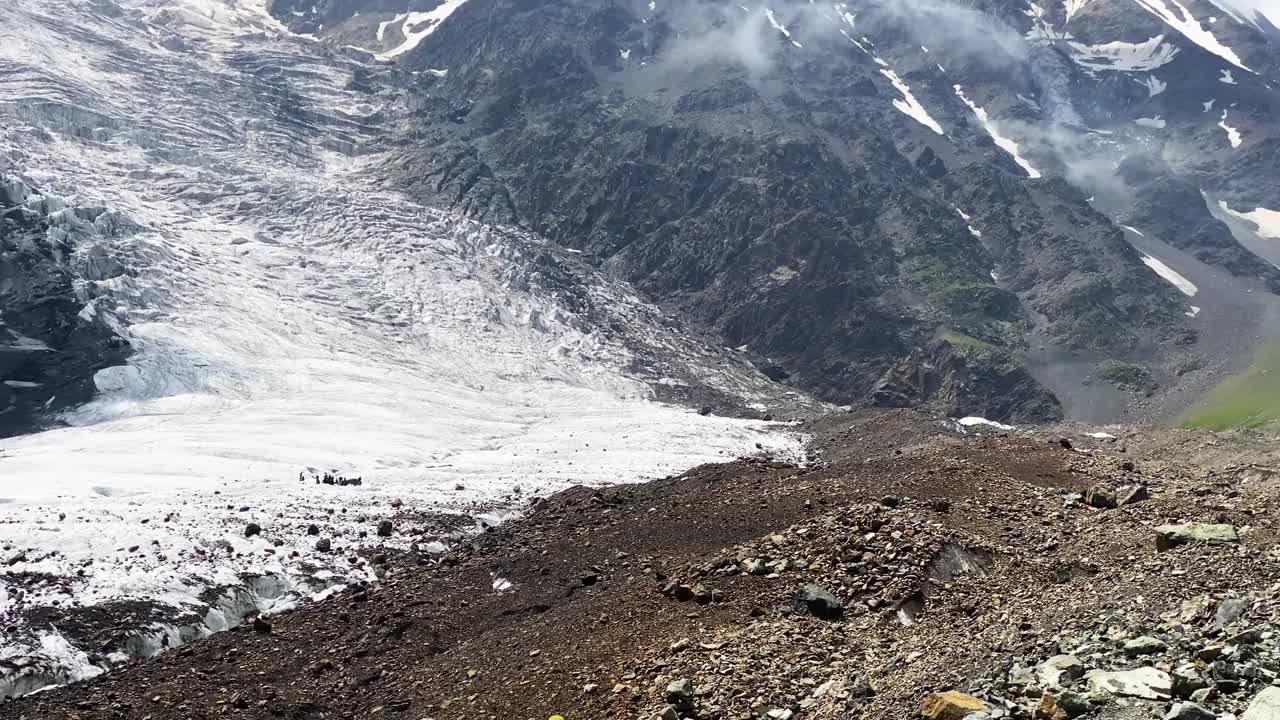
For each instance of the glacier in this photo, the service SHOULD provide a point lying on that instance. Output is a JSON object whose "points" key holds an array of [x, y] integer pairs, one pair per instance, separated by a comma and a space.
{"points": [[293, 317]]}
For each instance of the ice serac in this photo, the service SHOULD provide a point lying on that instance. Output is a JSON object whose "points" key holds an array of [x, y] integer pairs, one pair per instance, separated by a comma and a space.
{"points": [[52, 339]]}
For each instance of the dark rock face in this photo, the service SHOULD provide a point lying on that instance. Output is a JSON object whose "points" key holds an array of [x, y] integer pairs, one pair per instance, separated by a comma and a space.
{"points": [[817, 601], [49, 350], [963, 376]]}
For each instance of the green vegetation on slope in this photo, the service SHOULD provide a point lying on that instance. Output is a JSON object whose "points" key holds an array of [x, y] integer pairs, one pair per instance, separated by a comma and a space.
{"points": [[1250, 399], [1127, 376], [967, 345]]}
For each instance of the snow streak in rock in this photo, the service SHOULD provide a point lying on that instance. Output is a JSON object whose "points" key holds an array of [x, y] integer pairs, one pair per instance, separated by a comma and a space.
{"points": [[1001, 141], [1180, 18], [1185, 286], [909, 105], [773, 20]]}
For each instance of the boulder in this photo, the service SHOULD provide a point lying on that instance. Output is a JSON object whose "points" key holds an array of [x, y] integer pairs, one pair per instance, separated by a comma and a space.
{"points": [[1145, 645], [1169, 536], [1073, 703], [950, 705], [1147, 683], [702, 594], [1133, 494], [1252, 636], [385, 528], [1187, 680], [1225, 677], [1204, 695], [1101, 496], [667, 713], [252, 529], [680, 693], [1188, 711], [1059, 670], [1209, 653], [818, 601], [1048, 709], [1265, 706]]}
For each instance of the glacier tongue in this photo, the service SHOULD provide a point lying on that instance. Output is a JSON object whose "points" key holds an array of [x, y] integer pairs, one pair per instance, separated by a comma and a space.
{"points": [[289, 315]]}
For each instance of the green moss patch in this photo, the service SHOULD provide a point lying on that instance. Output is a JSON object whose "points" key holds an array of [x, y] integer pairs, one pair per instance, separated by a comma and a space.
{"points": [[1247, 400], [1132, 377]]}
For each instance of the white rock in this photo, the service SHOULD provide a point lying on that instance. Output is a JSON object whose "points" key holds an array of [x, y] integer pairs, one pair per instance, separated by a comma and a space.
{"points": [[1058, 668], [1265, 706], [1147, 683]]}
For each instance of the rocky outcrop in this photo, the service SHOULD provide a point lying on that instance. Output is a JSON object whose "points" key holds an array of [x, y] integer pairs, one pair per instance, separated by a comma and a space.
{"points": [[51, 341], [962, 376]]}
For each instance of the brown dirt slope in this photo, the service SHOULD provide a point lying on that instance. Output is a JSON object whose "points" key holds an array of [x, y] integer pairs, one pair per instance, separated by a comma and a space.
{"points": [[962, 562]]}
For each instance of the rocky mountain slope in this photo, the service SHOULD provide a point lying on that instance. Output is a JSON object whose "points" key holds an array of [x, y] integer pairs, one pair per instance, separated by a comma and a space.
{"points": [[913, 567], [885, 203]]}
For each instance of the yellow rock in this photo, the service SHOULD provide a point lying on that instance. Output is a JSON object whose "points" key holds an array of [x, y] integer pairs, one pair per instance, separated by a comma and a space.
{"points": [[950, 705], [1049, 710], [557, 717]]}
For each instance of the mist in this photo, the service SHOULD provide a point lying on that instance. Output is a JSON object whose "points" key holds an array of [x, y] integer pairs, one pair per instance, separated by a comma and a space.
{"points": [[722, 36], [962, 38], [728, 34], [955, 30]]}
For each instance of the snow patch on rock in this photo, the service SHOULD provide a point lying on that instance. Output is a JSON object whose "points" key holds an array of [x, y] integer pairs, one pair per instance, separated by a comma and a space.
{"points": [[417, 26], [773, 20], [1125, 57], [1154, 85], [974, 421], [1267, 221], [1233, 135]]}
